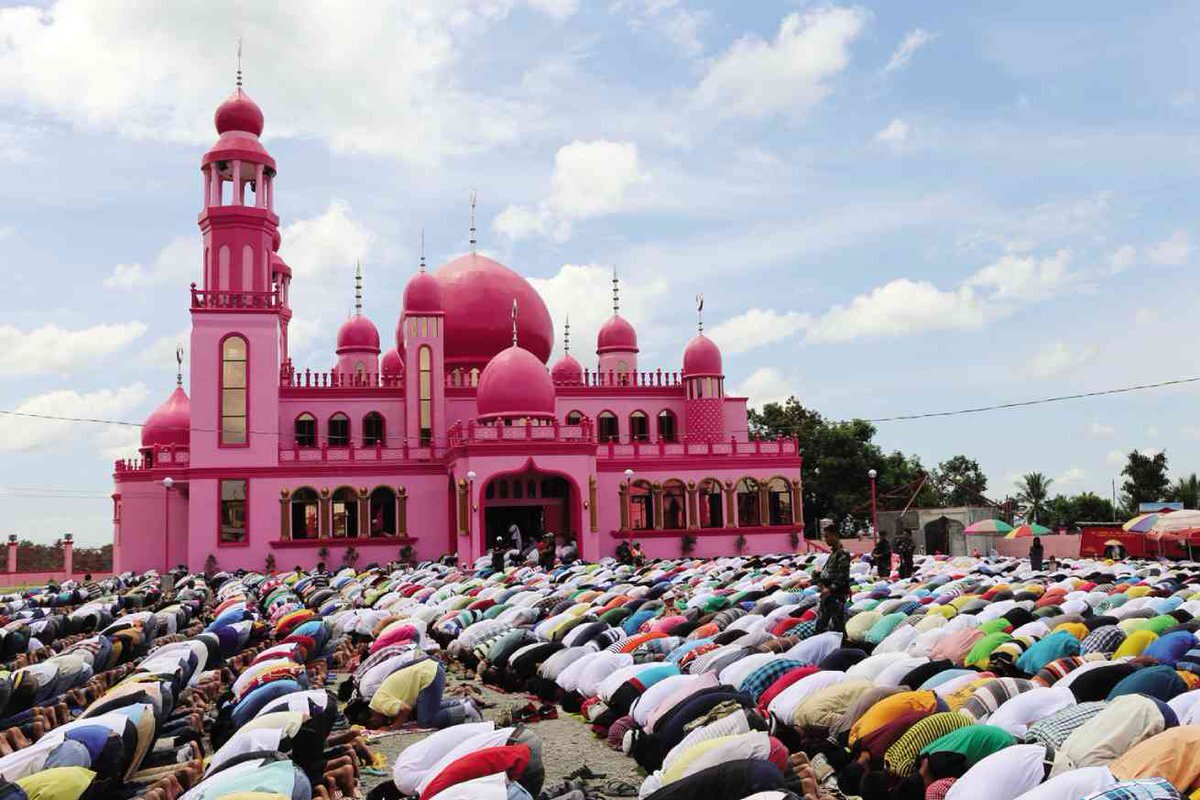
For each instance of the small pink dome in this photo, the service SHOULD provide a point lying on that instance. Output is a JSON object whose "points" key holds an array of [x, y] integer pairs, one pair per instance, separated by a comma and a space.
{"points": [[239, 113], [701, 357], [392, 364], [515, 384], [616, 335], [567, 370], [278, 265], [358, 333], [276, 240], [423, 295], [170, 423]]}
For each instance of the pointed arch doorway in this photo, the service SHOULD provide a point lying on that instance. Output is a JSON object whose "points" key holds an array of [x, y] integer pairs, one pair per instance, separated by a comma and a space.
{"points": [[536, 501]]}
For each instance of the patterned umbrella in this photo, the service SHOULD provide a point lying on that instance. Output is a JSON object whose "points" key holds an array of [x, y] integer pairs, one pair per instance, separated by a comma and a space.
{"points": [[1143, 523], [1026, 531], [989, 526]]}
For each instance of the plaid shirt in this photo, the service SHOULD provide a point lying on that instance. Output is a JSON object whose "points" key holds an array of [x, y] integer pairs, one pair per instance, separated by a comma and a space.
{"points": [[1141, 789], [938, 789], [1054, 729], [761, 679]]}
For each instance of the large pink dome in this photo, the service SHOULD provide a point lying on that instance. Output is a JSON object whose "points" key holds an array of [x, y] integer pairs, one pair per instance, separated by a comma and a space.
{"points": [[392, 363], [477, 296], [170, 423], [616, 335], [239, 113], [515, 384], [701, 357], [357, 333], [567, 370]]}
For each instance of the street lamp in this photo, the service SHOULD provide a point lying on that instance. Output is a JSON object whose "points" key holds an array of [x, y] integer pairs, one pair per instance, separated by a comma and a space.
{"points": [[629, 502], [874, 513], [168, 484]]}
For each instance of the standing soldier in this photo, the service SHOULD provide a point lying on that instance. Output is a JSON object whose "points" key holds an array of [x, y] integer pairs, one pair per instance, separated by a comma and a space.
{"points": [[904, 549], [834, 580]]}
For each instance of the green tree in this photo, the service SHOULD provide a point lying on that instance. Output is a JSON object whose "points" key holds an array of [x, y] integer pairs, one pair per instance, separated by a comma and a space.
{"points": [[960, 482], [1070, 511], [1145, 480], [1187, 491], [1033, 491]]}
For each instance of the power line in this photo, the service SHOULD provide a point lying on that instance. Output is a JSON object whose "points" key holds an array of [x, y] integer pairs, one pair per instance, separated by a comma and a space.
{"points": [[1040, 401]]}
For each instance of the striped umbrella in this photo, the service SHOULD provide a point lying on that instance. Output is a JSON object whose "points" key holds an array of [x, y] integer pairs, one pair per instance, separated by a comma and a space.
{"points": [[989, 526], [1025, 531], [1143, 523]]}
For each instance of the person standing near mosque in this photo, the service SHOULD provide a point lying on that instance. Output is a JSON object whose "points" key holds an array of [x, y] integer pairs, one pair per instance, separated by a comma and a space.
{"points": [[834, 580], [904, 549]]}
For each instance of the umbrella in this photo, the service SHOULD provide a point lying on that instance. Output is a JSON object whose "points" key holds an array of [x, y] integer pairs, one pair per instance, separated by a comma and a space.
{"points": [[1025, 531], [989, 526], [1113, 543], [1176, 522], [1142, 523]]}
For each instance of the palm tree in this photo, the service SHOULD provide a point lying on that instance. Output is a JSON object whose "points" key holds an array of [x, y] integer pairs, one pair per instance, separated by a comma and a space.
{"points": [[1187, 491], [1033, 489]]}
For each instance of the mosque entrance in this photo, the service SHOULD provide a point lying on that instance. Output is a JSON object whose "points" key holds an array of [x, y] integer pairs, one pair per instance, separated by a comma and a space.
{"points": [[536, 503]]}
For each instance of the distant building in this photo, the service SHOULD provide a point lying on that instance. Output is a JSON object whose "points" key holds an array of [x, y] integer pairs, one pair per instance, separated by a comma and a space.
{"points": [[941, 530]]}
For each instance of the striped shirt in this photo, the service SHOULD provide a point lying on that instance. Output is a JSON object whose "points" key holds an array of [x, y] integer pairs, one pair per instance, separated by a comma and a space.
{"points": [[901, 758]]}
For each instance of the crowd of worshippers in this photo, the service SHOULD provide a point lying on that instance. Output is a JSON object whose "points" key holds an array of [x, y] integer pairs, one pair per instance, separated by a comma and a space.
{"points": [[735, 678], [545, 550]]}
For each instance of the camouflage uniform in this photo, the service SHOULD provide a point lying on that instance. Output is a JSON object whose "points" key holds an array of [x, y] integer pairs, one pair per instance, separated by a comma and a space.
{"points": [[834, 577]]}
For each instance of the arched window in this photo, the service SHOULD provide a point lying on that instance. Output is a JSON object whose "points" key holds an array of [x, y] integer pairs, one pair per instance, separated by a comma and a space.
{"points": [[345, 512], [373, 429], [306, 430], [641, 506], [306, 514], [712, 504], [779, 502], [339, 430], [666, 425], [639, 427], [382, 511], [360, 371], [747, 503], [234, 356], [575, 418], [607, 429], [674, 506], [425, 395]]}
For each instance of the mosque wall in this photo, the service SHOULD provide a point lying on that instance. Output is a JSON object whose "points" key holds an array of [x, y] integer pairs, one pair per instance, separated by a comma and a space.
{"points": [[325, 403]]}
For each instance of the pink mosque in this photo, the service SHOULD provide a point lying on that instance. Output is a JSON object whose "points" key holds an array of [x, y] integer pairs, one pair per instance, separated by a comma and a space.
{"points": [[439, 444]]}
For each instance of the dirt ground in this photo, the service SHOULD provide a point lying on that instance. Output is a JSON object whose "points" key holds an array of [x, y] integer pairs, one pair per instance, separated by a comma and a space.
{"points": [[567, 744]]}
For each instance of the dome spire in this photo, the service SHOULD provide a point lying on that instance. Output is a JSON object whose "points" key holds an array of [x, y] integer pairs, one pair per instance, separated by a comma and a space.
{"points": [[421, 268], [179, 365], [239, 63], [616, 294], [567, 336], [358, 289], [700, 312], [514, 321], [473, 222]]}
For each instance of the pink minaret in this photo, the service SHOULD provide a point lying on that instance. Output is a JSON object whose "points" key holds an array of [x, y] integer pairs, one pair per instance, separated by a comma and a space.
{"points": [[420, 336], [237, 313], [704, 387], [616, 343], [358, 342]]}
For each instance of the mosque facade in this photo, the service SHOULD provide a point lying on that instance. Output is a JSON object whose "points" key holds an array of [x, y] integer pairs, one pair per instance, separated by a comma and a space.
{"points": [[439, 444]]}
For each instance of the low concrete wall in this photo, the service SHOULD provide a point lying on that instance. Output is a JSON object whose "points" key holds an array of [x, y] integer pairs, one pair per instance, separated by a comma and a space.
{"points": [[1057, 545], [23, 580]]}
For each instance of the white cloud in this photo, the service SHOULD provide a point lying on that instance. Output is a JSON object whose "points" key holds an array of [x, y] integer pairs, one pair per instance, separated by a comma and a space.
{"points": [[1170, 252], [1022, 278], [1072, 477], [1098, 430], [322, 252], [899, 307], [1152, 432], [590, 179], [894, 134], [177, 263], [913, 41], [764, 385], [144, 70], [573, 292], [51, 349], [671, 19], [160, 353], [758, 78], [1056, 359], [1116, 458], [24, 433], [1191, 431], [1122, 259], [755, 328]]}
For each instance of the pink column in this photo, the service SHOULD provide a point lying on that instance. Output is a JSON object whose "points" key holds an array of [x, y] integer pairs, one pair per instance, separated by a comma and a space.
{"points": [[237, 183], [260, 191], [12, 552], [68, 554]]}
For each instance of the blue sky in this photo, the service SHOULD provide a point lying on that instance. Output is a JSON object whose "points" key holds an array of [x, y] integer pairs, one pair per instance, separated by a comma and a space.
{"points": [[890, 207]]}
